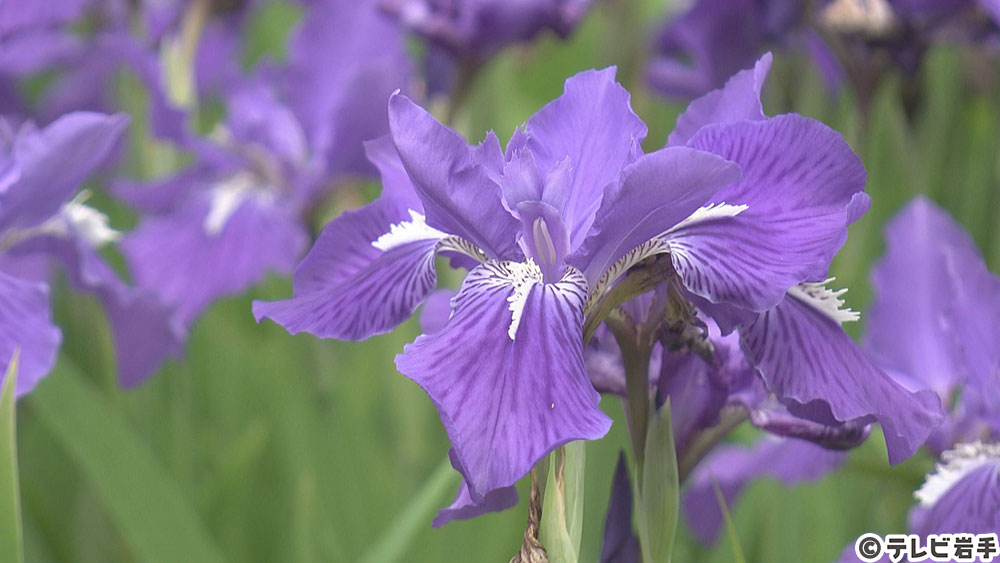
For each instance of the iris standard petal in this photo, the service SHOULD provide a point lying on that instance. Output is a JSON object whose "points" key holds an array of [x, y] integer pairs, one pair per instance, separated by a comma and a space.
{"points": [[455, 181], [593, 125], [507, 372], [738, 100], [53, 162], [813, 367], [25, 325], [655, 193]]}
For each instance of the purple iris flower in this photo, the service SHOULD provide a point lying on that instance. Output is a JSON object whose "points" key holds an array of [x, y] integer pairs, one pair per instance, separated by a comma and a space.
{"points": [[44, 37], [475, 30], [932, 328], [934, 325], [962, 496], [934, 322], [291, 134], [40, 220], [747, 210], [697, 50]]}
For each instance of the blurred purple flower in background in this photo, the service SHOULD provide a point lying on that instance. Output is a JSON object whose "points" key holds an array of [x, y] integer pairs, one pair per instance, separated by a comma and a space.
{"points": [[934, 321], [292, 134], [934, 325], [857, 40], [462, 35], [41, 221], [477, 29]]}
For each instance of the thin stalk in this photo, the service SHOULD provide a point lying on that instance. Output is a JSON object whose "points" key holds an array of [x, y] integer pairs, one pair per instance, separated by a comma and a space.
{"points": [[636, 354], [729, 419]]}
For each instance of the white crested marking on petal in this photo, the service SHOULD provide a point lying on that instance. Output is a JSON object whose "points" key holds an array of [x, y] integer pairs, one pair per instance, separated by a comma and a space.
{"points": [[660, 245], [406, 232], [523, 276], [707, 213], [227, 196], [824, 300], [89, 224], [520, 278], [956, 464], [74, 218], [462, 246]]}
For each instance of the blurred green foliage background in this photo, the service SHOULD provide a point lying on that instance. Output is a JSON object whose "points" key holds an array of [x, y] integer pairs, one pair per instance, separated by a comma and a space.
{"points": [[261, 446]]}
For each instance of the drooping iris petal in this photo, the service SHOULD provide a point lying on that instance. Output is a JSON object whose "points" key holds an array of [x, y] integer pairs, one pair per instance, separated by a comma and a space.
{"points": [[354, 283], [813, 367], [507, 372], [189, 265], [464, 507], [910, 328], [734, 467], [144, 330], [801, 185], [620, 544], [25, 325], [738, 100], [454, 181], [53, 162], [655, 193], [593, 125], [374, 300]]}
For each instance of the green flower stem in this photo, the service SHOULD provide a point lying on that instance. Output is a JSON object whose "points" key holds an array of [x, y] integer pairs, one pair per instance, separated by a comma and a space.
{"points": [[636, 352], [729, 419]]}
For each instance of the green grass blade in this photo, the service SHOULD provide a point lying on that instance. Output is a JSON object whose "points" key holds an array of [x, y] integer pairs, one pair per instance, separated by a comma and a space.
{"points": [[142, 499], [734, 539], [392, 545], [11, 542], [660, 491]]}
